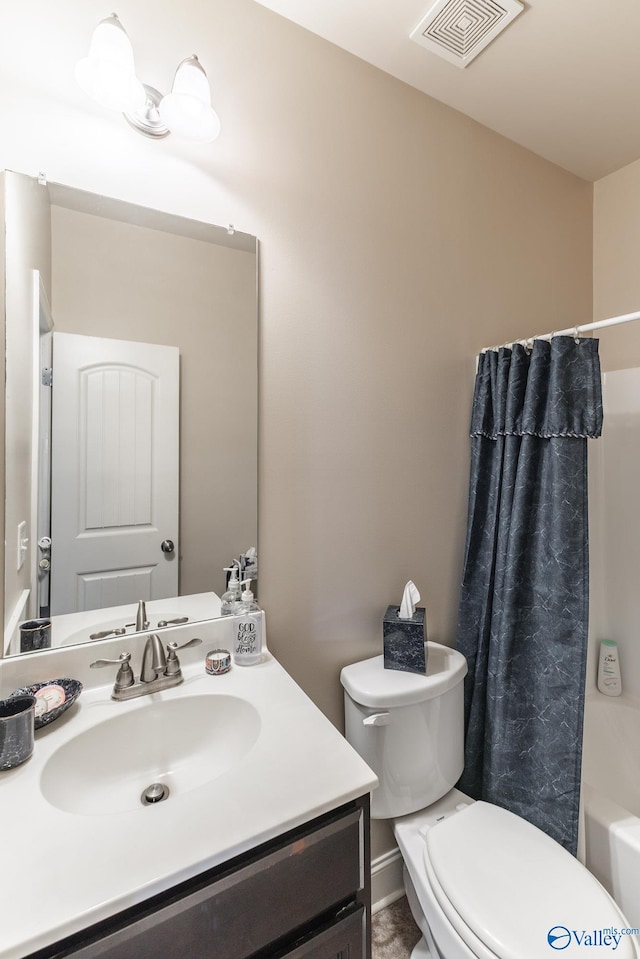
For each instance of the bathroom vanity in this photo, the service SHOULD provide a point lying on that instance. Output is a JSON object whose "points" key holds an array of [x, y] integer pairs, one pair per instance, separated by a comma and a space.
{"points": [[260, 849], [304, 895]]}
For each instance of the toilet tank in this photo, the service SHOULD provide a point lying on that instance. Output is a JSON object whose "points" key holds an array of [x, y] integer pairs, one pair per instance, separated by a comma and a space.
{"points": [[408, 728]]}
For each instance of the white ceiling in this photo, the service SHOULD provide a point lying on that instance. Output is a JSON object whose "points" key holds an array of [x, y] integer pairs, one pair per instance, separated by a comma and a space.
{"points": [[563, 79]]}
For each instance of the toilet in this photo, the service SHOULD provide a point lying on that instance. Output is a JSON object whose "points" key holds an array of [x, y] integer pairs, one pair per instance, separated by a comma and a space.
{"points": [[482, 882]]}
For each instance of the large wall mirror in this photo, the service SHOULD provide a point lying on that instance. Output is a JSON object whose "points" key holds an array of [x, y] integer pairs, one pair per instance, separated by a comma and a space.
{"points": [[131, 411]]}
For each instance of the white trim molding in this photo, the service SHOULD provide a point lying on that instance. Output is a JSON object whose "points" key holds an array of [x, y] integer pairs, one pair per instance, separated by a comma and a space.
{"points": [[11, 629], [386, 880]]}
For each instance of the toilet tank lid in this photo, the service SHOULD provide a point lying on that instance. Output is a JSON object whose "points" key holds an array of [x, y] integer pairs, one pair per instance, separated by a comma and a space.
{"points": [[370, 684]]}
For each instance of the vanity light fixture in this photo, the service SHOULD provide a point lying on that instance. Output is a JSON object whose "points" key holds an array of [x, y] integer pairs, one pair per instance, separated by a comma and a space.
{"points": [[187, 110], [108, 76]]}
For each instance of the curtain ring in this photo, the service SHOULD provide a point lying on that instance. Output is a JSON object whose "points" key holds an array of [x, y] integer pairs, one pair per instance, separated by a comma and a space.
{"points": [[576, 335]]}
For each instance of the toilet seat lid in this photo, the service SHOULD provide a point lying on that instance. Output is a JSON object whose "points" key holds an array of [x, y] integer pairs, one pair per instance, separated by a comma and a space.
{"points": [[502, 881]]}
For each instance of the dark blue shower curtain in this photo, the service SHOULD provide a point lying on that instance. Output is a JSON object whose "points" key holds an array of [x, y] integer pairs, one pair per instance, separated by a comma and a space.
{"points": [[524, 603]]}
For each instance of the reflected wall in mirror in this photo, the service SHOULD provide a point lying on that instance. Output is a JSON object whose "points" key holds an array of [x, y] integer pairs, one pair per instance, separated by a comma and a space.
{"points": [[91, 276]]}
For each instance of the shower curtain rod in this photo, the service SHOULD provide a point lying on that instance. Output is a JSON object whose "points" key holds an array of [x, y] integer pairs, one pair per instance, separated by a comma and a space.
{"points": [[573, 330]]}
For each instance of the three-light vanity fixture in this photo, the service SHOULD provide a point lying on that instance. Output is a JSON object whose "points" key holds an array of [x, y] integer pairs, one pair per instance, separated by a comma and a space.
{"points": [[108, 76]]}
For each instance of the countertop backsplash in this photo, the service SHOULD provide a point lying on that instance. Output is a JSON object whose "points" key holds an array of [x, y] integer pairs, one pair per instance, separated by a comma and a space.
{"points": [[74, 661]]}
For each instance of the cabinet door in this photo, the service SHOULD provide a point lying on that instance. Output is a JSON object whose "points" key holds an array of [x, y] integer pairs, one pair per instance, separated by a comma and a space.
{"points": [[344, 940], [263, 902]]}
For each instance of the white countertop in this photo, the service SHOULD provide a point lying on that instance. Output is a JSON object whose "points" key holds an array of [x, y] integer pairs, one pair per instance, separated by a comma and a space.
{"points": [[62, 872]]}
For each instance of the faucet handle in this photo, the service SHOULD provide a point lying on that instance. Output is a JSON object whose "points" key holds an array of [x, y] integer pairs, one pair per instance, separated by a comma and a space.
{"points": [[124, 675], [173, 663], [173, 647], [119, 631], [123, 658]]}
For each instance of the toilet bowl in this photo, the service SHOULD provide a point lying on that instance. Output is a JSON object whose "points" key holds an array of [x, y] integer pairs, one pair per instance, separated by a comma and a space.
{"points": [[482, 882]]}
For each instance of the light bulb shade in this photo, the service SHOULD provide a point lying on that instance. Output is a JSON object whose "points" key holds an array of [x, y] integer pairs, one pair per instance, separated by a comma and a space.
{"points": [[107, 75], [187, 110]]}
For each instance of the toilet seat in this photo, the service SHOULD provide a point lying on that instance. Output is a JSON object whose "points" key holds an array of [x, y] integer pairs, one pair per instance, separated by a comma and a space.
{"points": [[504, 885]]}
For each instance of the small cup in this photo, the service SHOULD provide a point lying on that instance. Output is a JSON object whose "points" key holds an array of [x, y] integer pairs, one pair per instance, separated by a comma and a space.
{"points": [[16, 730], [35, 634]]}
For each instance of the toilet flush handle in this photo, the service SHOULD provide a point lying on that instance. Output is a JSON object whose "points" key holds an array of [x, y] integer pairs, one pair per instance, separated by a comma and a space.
{"points": [[377, 719]]}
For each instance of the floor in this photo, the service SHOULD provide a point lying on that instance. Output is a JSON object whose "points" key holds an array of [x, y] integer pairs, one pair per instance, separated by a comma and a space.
{"points": [[393, 932]]}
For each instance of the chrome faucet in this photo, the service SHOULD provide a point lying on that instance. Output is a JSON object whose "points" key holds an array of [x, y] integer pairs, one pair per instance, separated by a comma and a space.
{"points": [[158, 671], [141, 617], [140, 624], [154, 661]]}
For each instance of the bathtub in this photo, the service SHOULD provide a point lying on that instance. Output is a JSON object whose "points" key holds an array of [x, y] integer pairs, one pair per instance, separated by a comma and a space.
{"points": [[611, 798]]}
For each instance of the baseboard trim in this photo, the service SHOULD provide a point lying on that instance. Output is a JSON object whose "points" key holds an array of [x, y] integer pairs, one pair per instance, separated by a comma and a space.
{"points": [[386, 880]]}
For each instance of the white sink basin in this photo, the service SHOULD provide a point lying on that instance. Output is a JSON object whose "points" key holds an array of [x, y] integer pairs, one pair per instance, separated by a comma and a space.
{"points": [[182, 743]]}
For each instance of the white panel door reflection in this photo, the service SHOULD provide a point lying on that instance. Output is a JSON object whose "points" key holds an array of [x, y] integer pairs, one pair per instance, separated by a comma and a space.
{"points": [[114, 472]]}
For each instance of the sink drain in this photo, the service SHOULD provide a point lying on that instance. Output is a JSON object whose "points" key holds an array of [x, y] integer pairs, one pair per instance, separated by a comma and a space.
{"points": [[156, 792]]}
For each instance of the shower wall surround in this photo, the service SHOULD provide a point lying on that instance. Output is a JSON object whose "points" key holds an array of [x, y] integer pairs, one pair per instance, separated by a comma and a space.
{"points": [[614, 492]]}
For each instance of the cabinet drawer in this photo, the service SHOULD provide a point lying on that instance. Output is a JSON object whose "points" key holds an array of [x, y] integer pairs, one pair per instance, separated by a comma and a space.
{"points": [[238, 914]]}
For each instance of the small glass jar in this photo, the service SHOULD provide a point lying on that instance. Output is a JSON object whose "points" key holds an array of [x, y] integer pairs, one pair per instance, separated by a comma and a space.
{"points": [[217, 662]]}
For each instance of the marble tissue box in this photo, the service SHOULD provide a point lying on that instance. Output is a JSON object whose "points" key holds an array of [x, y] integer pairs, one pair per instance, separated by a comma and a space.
{"points": [[405, 641]]}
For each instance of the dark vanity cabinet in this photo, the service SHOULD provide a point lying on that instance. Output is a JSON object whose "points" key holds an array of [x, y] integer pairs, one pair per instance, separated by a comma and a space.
{"points": [[304, 895]]}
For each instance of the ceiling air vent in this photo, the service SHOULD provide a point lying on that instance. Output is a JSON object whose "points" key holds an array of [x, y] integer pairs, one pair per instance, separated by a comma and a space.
{"points": [[459, 30]]}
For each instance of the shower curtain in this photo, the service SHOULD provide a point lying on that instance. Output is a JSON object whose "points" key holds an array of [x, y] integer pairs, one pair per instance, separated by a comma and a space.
{"points": [[524, 603]]}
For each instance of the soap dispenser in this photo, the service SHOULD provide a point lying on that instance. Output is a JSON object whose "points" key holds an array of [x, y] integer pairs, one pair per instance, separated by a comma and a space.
{"points": [[247, 635], [230, 599]]}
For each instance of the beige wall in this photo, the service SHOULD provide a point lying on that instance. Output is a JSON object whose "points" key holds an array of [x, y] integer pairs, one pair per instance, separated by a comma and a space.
{"points": [[397, 238], [400, 238], [616, 271], [27, 219], [129, 282]]}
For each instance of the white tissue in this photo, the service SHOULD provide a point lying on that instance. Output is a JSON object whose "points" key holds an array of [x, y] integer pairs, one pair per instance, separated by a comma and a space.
{"points": [[410, 597]]}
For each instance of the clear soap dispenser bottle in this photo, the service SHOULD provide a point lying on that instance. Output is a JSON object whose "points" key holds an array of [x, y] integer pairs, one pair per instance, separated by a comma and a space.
{"points": [[247, 637], [230, 599]]}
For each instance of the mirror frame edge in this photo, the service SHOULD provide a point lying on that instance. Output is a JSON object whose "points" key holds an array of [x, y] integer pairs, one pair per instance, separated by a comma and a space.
{"points": [[3, 318]]}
